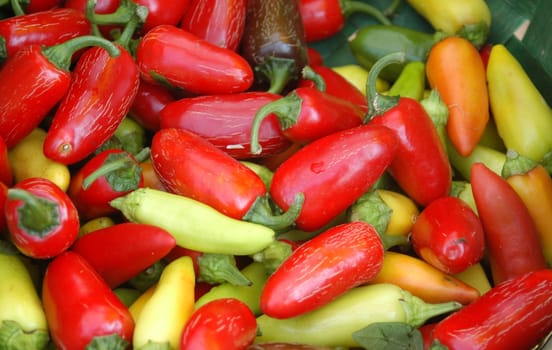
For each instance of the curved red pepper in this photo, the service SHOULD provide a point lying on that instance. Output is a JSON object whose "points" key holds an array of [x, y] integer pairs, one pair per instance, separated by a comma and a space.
{"points": [[421, 167], [307, 114], [225, 121], [102, 90], [225, 323], [148, 103], [515, 314], [332, 172], [323, 268], [220, 22], [314, 57], [80, 306], [189, 165], [133, 247], [513, 244], [6, 173], [163, 12], [109, 174], [42, 220], [170, 55], [41, 28], [42, 5]]}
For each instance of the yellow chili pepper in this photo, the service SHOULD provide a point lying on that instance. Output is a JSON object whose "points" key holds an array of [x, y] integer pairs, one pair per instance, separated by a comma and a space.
{"points": [[476, 277], [358, 75], [95, 224], [165, 313], [522, 116]]}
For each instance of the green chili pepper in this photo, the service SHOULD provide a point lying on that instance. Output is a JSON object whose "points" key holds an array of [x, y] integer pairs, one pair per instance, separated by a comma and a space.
{"points": [[492, 158], [334, 323], [411, 82], [194, 224]]}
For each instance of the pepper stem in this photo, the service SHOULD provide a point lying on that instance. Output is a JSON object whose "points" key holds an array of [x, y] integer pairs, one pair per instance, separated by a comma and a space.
{"points": [[37, 215], [287, 110], [279, 71], [220, 268], [17, 8], [309, 74], [261, 213], [392, 8], [377, 103], [349, 7], [13, 336], [516, 164], [390, 241], [418, 311]]}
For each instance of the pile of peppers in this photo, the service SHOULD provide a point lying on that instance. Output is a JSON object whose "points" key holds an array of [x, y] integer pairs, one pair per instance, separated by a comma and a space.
{"points": [[190, 174]]}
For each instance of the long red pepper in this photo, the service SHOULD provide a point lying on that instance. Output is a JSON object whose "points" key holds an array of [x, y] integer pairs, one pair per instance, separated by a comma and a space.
{"points": [[6, 173], [225, 121], [34, 80], [149, 101]]}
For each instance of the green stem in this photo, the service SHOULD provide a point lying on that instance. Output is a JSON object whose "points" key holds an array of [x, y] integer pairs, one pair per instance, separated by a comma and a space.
{"points": [[149, 276], [220, 268], [37, 215], [438, 112], [13, 336], [418, 311], [349, 7], [309, 74], [17, 8], [261, 213], [273, 255], [377, 103], [392, 8], [61, 54], [279, 71], [516, 164], [390, 241]]}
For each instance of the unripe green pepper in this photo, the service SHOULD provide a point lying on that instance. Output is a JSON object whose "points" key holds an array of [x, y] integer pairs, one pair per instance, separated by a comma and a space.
{"points": [[334, 323]]}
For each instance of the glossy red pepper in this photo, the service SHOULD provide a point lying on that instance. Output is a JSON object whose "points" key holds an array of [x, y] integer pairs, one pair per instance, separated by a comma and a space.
{"points": [[104, 177], [34, 80], [220, 22], [448, 235], [333, 172], [30, 29], [42, 220], [42, 5], [102, 90], [514, 314], [6, 172], [314, 57], [133, 247], [323, 268], [163, 12], [170, 55], [225, 121], [225, 323], [513, 244], [149, 101], [421, 167], [307, 114], [189, 165], [80, 307], [325, 18]]}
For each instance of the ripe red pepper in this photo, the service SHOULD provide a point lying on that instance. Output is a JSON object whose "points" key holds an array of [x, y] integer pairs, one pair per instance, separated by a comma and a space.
{"points": [[42, 5], [323, 268], [34, 80], [191, 166], [421, 167], [102, 90], [133, 247], [513, 245], [220, 22], [163, 12], [314, 57], [42, 220], [448, 235], [225, 121], [30, 29], [149, 101], [333, 172], [307, 114], [515, 314], [6, 173], [109, 174], [325, 18], [3, 200], [81, 308], [170, 55], [225, 323]]}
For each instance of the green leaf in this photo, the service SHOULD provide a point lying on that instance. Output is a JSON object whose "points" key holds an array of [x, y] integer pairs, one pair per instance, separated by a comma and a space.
{"points": [[389, 336], [108, 342]]}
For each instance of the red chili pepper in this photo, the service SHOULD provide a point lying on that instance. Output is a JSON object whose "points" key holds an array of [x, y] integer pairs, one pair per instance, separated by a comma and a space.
{"points": [[133, 247], [225, 121], [42, 5], [109, 174], [513, 245], [31, 29], [149, 101], [515, 314], [333, 172], [220, 22], [307, 114], [170, 55], [323, 268], [325, 18], [485, 53], [42, 220], [103, 7], [189, 165], [335, 84], [80, 307], [225, 323], [6, 172], [102, 90], [314, 57], [3, 200], [421, 167], [448, 235], [34, 80], [163, 12]]}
